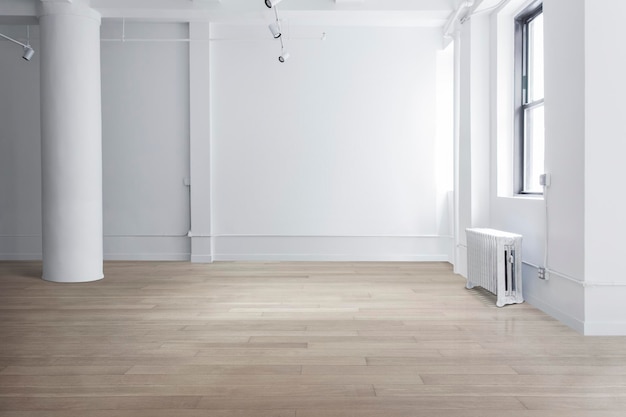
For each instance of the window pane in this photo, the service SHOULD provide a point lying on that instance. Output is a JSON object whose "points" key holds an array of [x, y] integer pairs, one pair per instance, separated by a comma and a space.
{"points": [[534, 134], [535, 59]]}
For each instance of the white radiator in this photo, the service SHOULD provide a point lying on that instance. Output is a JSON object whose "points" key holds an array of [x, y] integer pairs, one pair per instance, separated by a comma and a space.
{"points": [[494, 262]]}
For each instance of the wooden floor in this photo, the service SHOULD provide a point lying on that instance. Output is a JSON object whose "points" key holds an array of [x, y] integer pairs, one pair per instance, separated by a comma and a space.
{"points": [[165, 339]]}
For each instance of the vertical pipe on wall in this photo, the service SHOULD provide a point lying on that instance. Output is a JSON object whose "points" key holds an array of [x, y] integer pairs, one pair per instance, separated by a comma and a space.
{"points": [[200, 165], [71, 135], [456, 133]]}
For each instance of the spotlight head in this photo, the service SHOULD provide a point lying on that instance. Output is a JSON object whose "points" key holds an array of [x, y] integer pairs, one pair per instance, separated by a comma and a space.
{"points": [[28, 53], [285, 56], [272, 3], [275, 29]]}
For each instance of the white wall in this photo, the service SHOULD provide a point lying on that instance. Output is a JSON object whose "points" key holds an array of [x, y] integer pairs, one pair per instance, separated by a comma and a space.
{"points": [[562, 295], [20, 157], [474, 136], [480, 73], [145, 102], [145, 109], [565, 134], [330, 155], [200, 141], [605, 89], [463, 180], [605, 130], [584, 68], [444, 146], [565, 150]]}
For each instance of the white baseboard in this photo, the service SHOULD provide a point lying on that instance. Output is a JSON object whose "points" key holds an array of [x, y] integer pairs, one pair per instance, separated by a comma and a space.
{"points": [[180, 257], [253, 248], [146, 248], [118, 248], [558, 297], [605, 311], [20, 257], [202, 259], [460, 267], [332, 248], [605, 328], [201, 249], [20, 248], [309, 257], [565, 318]]}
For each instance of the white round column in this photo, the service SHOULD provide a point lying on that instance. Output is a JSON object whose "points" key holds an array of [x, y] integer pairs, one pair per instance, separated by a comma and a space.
{"points": [[71, 148]]}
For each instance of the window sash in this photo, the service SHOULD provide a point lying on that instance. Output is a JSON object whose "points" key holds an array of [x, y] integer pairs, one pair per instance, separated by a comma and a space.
{"points": [[534, 145], [529, 116]]}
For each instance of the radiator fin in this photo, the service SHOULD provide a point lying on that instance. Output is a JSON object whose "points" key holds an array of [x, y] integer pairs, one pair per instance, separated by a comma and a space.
{"points": [[494, 262]]}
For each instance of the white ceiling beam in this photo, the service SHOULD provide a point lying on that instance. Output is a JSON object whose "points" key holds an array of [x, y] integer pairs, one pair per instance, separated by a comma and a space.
{"points": [[399, 5], [332, 12], [18, 12]]}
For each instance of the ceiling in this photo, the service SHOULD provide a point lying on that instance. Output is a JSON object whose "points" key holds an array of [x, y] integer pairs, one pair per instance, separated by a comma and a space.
{"points": [[420, 13], [305, 12]]}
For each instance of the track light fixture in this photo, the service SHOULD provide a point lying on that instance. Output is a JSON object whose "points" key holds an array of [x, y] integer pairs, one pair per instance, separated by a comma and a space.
{"points": [[275, 29], [28, 53], [28, 50], [272, 3]]}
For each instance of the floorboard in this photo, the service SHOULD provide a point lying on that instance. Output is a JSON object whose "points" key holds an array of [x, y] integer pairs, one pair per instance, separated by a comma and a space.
{"points": [[291, 339]]}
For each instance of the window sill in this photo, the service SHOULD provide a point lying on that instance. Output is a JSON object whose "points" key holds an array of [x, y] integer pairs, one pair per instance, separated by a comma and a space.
{"points": [[530, 197]]}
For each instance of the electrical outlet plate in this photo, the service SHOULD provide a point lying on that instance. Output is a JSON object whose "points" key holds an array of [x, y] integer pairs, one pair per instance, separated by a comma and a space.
{"points": [[541, 273]]}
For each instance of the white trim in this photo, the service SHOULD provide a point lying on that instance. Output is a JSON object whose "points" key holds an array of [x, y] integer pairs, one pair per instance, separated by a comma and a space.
{"points": [[604, 284], [316, 257], [21, 256], [326, 236], [254, 247], [602, 318], [605, 328], [147, 248], [552, 272], [65, 9], [26, 247], [148, 235], [106, 235], [459, 262], [146, 257], [559, 315], [454, 19], [189, 40], [248, 257], [331, 248], [200, 152], [583, 284], [202, 259]]}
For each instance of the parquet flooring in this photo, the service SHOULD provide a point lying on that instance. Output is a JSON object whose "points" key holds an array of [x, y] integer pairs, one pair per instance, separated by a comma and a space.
{"points": [[235, 339]]}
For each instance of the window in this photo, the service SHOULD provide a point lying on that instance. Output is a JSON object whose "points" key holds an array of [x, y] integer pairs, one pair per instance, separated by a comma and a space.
{"points": [[529, 117]]}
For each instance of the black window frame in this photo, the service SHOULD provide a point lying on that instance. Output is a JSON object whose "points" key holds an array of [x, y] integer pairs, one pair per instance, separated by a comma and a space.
{"points": [[522, 21]]}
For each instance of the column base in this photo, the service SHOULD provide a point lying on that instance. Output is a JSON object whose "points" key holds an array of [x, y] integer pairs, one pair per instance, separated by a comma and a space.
{"points": [[74, 280]]}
